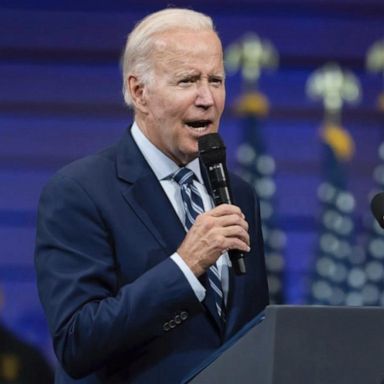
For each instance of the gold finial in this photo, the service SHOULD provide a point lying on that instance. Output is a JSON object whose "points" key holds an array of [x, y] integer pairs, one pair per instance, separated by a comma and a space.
{"points": [[339, 140], [252, 103]]}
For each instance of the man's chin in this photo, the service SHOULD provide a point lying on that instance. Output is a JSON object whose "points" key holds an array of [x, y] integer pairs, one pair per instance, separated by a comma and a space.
{"points": [[188, 156]]}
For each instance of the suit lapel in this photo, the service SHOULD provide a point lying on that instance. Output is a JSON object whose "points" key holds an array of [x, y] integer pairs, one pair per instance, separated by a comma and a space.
{"points": [[143, 192]]}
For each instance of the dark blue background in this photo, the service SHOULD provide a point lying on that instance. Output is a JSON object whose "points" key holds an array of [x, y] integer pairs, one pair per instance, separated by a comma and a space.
{"points": [[60, 99]]}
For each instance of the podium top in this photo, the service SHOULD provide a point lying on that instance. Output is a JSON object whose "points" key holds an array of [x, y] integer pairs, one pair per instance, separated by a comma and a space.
{"points": [[301, 344]]}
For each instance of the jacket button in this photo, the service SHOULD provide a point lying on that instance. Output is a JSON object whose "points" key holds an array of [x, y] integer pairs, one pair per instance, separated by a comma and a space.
{"points": [[184, 315], [166, 327]]}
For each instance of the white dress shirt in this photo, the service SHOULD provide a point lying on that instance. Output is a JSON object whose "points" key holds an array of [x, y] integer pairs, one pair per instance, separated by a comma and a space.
{"points": [[163, 167]]}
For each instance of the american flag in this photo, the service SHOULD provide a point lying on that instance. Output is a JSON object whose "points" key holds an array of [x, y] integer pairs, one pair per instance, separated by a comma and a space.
{"points": [[257, 166], [337, 275]]}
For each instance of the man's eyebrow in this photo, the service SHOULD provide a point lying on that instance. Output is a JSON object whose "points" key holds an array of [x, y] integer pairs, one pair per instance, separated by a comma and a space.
{"points": [[187, 73], [217, 75], [193, 73]]}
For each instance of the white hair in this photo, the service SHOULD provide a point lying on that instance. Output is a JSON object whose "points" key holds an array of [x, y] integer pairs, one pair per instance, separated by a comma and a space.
{"points": [[140, 43]]}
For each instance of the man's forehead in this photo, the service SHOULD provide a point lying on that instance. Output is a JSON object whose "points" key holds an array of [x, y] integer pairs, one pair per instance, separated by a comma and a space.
{"points": [[172, 49], [175, 39], [182, 65]]}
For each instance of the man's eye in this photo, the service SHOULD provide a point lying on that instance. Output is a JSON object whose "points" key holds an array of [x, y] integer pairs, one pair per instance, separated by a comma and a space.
{"points": [[216, 81], [185, 82]]}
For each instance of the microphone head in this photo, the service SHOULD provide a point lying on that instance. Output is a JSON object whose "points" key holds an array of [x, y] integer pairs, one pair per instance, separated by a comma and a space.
{"points": [[377, 208], [211, 149], [211, 140]]}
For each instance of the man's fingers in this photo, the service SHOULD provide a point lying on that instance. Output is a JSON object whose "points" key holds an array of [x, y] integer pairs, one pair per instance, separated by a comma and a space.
{"points": [[236, 232], [225, 209], [230, 220], [220, 229], [230, 243]]}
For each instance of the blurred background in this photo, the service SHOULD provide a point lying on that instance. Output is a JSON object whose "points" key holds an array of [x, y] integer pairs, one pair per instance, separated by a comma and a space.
{"points": [[303, 124]]}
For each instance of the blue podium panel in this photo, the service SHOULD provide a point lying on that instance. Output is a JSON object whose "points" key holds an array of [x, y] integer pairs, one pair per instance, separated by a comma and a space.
{"points": [[305, 345]]}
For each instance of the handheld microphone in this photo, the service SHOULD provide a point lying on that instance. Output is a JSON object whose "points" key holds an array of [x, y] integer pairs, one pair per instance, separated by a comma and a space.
{"points": [[377, 208], [213, 157]]}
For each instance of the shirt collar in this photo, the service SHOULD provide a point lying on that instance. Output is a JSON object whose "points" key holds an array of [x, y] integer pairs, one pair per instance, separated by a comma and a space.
{"points": [[161, 164]]}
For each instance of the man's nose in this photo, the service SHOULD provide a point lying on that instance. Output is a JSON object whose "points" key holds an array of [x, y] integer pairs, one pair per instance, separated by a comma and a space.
{"points": [[204, 96]]}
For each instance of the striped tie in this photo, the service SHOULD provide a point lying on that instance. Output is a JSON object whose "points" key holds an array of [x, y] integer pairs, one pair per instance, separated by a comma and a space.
{"points": [[193, 206]]}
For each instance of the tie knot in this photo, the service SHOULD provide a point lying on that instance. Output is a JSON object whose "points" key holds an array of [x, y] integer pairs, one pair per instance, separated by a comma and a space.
{"points": [[183, 176]]}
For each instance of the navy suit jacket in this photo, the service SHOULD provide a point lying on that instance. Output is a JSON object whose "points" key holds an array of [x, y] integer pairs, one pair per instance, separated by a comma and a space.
{"points": [[119, 309]]}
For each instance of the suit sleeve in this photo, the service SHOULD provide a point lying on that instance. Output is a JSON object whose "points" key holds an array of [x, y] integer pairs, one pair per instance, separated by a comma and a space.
{"points": [[91, 317]]}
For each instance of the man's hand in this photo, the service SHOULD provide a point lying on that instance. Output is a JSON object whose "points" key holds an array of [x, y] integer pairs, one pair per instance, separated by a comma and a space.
{"points": [[214, 232]]}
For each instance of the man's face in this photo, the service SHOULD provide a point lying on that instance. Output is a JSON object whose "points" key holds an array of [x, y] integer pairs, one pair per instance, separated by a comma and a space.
{"points": [[186, 96]]}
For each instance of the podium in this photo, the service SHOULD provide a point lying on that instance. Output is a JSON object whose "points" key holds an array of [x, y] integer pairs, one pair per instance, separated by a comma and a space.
{"points": [[303, 345]]}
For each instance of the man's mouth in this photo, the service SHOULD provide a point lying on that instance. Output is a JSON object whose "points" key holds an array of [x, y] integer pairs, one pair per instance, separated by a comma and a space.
{"points": [[200, 125]]}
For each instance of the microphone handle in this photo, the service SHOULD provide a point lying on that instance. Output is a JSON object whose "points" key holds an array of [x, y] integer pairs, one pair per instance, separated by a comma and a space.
{"points": [[237, 260], [222, 195]]}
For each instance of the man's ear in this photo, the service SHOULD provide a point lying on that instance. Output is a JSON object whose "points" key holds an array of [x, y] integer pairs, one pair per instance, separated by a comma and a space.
{"points": [[136, 89]]}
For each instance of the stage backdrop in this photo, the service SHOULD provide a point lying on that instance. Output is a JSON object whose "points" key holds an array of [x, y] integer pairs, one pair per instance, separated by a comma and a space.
{"points": [[60, 99]]}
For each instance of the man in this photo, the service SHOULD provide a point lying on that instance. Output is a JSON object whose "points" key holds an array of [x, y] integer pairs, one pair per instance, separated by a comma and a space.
{"points": [[123, 278]]}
